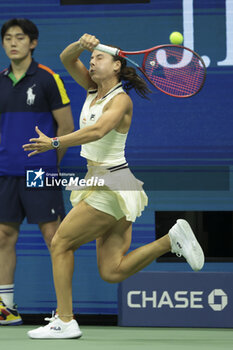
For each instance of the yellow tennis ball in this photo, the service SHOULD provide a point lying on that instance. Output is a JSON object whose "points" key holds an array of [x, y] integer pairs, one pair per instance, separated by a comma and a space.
{"points": [[176, 38]]}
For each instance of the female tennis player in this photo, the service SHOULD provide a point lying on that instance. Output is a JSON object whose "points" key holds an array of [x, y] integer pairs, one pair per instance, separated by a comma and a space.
{"points": [[104, 214]]}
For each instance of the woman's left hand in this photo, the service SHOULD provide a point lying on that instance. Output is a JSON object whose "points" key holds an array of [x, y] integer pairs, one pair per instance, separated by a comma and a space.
{"points": [[38, 145]]}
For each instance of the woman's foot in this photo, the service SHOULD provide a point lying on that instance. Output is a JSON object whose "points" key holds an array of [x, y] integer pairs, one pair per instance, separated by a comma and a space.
{"points": [[57, 329], [184, 243]]}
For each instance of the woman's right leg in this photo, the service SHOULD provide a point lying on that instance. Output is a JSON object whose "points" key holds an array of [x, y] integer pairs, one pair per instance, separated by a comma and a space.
{"points": [[82, 225]]}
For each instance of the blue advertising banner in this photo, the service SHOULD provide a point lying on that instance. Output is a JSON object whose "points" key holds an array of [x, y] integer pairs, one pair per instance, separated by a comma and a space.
{"points": [[177, 299]]}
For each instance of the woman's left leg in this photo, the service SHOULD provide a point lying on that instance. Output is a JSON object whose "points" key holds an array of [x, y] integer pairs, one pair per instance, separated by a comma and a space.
{"points": [[113, 263]]}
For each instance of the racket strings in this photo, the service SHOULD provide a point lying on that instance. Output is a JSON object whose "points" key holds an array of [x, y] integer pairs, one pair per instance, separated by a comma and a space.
{"points": [[175, 70]]}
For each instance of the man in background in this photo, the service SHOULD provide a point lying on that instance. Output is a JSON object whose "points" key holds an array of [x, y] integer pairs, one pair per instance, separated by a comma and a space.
{"points": [[31, 95]]}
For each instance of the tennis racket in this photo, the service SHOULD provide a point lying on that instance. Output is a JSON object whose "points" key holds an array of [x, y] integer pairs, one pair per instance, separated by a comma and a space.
{"points": [[173, 69]]}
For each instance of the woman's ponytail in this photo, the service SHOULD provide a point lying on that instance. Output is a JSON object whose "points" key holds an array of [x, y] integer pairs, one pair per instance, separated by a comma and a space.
{"points": [[131, 80]]}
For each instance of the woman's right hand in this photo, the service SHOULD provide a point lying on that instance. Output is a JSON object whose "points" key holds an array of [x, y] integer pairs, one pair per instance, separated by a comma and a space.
{"points": [[88, 42]]}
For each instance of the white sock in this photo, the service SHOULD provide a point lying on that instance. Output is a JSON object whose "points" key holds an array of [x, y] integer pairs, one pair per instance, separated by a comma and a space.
{"points": [[7, 294]]}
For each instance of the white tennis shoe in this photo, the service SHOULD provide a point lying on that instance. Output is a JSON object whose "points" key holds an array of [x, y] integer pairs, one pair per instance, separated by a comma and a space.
{"points": [[57, 329], [184, 243]]}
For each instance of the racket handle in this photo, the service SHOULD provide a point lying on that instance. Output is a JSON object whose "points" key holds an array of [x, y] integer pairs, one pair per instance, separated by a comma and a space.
{"points": [[104, 48]]}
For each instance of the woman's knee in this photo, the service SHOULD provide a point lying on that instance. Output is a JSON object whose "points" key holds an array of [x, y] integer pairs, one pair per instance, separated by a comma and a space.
{"points": [[60, 244], [111, 275]]}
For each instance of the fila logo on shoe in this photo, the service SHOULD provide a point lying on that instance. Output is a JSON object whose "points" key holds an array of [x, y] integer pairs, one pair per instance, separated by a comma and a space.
{"points": [[55, 328]]}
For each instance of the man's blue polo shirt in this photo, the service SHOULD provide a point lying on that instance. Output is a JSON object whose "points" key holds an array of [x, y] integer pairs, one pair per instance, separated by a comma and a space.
{"points": [[23, 105]]}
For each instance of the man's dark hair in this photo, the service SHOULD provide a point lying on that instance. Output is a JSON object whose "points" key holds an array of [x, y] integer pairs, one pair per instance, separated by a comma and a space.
{"points": [[27, 26]]}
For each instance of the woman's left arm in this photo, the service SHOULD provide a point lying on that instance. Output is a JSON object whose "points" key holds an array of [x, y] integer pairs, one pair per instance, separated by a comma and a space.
{"points": [[120, 107]]}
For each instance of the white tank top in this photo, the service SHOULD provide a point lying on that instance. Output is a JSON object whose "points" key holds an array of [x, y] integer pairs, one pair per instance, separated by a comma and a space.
{"points": [[110, 149]]}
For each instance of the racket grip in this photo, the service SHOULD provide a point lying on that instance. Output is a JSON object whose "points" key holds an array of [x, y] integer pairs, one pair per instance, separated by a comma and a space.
{"points": [[104, 48]]}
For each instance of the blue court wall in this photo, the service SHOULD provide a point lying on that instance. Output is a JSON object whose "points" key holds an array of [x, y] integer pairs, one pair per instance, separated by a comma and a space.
{"points": [[168, 136]]}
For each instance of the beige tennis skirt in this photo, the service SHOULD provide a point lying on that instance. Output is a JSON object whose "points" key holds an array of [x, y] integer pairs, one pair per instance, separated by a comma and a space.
{"points": [[116, 191]]}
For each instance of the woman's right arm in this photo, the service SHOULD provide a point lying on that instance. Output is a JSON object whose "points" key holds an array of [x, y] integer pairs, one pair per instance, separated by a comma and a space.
{"points": [[72, 63]]}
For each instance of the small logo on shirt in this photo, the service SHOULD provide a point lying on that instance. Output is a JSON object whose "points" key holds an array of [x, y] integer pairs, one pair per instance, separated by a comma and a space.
{"points": [[30, 95], [92, 117]]}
